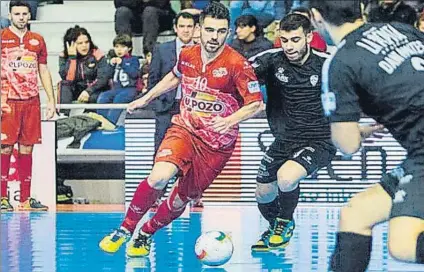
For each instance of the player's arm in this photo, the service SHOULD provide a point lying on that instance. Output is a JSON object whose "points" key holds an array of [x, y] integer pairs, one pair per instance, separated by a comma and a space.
{"points": [[46, 80], [168, 83], [248, 87], [340, 103]]}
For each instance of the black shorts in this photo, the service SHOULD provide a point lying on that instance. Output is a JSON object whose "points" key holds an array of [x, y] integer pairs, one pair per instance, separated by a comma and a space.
{"points": [[311, 155], [408, 193]]}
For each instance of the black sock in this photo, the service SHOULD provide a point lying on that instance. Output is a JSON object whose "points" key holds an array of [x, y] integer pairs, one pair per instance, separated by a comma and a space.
{"points": [[352, 252], [269, 210], [288, 203], [420, 248]]}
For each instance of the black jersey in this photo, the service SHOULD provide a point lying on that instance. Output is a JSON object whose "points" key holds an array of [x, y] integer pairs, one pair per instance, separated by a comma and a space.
{"points": [[294, 108], [379, 69]]}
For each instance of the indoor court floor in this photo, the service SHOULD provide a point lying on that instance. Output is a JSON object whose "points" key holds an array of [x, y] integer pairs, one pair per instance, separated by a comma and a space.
{"points": [[68, 241]]}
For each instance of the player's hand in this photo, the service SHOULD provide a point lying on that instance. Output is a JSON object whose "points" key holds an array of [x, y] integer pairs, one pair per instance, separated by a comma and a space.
{"points": [[368, 130], [118, 60], [5, 108], [50, 111], [71, 48], [137, 104], [221, 125], [83, 97]]}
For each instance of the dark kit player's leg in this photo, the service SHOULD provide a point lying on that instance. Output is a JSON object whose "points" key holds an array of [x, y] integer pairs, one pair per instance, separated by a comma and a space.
{"points": [[399, 197]]}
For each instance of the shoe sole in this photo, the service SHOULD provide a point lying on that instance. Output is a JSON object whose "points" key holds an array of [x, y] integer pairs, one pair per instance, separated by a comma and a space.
{"points": [[32, 210]]}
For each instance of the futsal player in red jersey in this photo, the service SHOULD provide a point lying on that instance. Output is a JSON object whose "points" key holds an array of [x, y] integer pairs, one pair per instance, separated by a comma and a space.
{"points": [[220, 90], [23, 58]]}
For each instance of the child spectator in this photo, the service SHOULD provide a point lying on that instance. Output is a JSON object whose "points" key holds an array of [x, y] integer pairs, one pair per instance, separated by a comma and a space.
{"points": [[125, 75]]}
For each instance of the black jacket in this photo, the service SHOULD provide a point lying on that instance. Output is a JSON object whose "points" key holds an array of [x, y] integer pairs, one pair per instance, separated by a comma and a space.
{"points": [[251, 49]]}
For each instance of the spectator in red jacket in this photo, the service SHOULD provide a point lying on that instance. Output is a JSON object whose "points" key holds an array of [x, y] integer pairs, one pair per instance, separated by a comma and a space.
{"points": [[318, 43]]}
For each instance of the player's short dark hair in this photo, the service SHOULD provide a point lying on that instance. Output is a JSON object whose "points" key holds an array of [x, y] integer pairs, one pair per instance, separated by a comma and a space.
{"points": [[215, 10], [302, 10], [294, 21], [184, 15], [123, 39], [18, 3], [338, 12], [248, 20]]}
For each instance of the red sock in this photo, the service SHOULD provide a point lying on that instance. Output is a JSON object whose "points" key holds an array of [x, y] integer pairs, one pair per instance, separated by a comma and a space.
{"points": [[143, 199], [24, 162], [5, 166], [162, 218], [164, 215]]}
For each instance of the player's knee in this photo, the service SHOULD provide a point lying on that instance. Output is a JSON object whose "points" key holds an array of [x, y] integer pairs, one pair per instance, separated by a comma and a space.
{"points": [[265, 194], [287, 185], [287, 182], [402, 249], [158, 180], [350, 216], [6, 149], [25, 149], [403, 241]]}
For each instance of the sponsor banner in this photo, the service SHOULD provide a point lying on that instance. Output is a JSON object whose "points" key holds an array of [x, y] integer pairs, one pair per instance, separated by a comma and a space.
{"points": [[336, 183]]}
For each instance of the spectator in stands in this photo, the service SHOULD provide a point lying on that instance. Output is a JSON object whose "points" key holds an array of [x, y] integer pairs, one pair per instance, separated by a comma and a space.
{"points": [[250, 40], [317, 43], [125, 77], [395, 10], [263, 11], [164, 59], [153, 16], [82, 67], [420, 22]]}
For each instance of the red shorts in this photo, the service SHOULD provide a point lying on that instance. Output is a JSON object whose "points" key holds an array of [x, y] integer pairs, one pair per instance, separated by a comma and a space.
{"points": [[23, 124], [199, 164]]}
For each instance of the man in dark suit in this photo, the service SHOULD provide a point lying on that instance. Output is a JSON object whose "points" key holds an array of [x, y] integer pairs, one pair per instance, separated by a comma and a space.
{"points": [[164, 58], [163, 61]]}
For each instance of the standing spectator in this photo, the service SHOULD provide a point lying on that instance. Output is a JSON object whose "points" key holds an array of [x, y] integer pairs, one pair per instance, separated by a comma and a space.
{"points": [[250, 40], [82, 67], [393, 11], [153, 16], [165, 57], [125, 76], [23, 59]]}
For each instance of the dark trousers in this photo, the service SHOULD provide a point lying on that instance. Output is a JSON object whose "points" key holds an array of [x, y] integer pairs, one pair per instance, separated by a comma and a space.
{"points": [[163, 122], [151, 21], [70, 92]]}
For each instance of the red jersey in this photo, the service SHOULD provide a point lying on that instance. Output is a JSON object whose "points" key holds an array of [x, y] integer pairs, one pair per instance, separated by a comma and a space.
{"points": [[218, 88], [20, 56]]}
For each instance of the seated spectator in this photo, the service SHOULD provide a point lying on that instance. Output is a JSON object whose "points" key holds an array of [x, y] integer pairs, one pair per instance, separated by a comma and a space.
{"points": [[318, 43], [125, 76], [82, 67], [150, 16], [250, 40], [263, 11]]}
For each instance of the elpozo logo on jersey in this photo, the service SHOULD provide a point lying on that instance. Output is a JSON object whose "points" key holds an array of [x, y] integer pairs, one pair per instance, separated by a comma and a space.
{"points": [[203, 103], [25, 62], [220, 72]]}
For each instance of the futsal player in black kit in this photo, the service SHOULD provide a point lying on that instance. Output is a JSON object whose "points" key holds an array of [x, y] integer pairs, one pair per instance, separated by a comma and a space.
{"points": [[377, 69], [292, 75]]}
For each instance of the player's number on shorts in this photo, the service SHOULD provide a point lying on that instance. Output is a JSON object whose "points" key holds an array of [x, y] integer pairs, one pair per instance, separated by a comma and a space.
{"points": [[417, 63], [201, 83]]}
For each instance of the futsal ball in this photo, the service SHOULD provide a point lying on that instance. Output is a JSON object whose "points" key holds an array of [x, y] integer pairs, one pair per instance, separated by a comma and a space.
{"points": [[214, 248]]}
